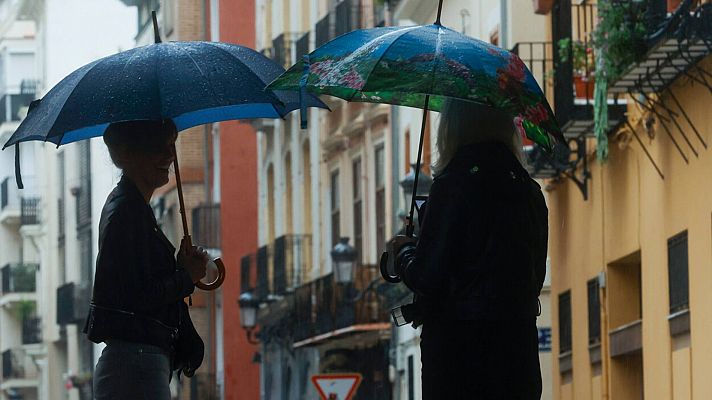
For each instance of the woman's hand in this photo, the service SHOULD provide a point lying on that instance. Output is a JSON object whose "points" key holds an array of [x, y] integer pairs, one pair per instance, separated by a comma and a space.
{"points": [[194, 259]]}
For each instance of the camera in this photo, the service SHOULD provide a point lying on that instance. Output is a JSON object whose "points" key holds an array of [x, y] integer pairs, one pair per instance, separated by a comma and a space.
{"points": [[407, 313]]}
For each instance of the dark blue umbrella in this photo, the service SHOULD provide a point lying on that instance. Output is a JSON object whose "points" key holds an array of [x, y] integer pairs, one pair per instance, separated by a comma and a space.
{"points": [[192, 83]]}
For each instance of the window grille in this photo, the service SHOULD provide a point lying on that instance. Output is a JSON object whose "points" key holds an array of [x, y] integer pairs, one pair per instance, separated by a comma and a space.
{"points": [[678, 272], [565, 322]]}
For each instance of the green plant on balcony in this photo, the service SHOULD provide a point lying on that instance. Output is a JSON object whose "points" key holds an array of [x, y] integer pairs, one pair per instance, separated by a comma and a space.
{"points": [[619, 36], [26, 309], [619, 40], [581, 56]]}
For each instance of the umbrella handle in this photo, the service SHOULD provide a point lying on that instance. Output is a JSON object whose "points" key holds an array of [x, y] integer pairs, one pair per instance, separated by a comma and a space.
{"points": [[218, 281]]}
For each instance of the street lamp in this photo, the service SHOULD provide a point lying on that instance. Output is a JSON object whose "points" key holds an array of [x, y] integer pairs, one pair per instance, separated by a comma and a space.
{"points": [[424, 183], [344, 258], [248, 304]]}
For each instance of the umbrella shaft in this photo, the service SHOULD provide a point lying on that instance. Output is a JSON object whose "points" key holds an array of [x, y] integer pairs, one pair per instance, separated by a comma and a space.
{"points": [[411, 227], [181, 203]]}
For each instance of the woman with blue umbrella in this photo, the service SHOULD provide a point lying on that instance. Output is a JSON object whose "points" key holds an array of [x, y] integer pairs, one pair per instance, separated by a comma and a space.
{"points": [[139, 100]]}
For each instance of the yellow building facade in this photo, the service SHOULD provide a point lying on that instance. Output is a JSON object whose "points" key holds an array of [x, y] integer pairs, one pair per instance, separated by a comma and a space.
{"points": [[632, 265]]}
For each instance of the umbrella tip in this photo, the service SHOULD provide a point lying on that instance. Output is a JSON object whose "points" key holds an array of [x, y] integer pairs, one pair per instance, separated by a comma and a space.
{"points": [[156, 35]]}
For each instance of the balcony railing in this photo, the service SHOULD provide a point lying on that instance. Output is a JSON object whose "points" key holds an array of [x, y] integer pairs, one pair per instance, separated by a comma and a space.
{"points": [[263, 261], [282, 53], [72, 303], [29, 210], [8, 194], [302, 46], [31, 330], [323, 31], [17, 364], [321, 306], [348, 17], [19, 278], [206, 226], [292, 258]]}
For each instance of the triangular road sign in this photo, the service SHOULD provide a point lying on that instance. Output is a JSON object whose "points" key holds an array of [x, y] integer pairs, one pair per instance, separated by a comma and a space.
{"points": [[336, 386]]}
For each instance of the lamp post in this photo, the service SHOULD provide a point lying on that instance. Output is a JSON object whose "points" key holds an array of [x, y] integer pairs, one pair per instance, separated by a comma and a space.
{"points": [[424, 183], [344, 257], [248, 304]]}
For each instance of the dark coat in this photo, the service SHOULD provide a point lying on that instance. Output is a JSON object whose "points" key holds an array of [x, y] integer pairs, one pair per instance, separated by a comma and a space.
{"points": [[478, 268], [483, 242], [138, 288]]}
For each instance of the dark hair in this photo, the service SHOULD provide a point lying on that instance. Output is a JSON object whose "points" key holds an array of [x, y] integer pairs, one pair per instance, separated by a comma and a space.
{"points": [[142, 137]]}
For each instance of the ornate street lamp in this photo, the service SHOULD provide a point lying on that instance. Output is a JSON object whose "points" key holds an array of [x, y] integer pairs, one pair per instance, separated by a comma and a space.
{"points": [[344, 258], [248, 304], [424, 183]]}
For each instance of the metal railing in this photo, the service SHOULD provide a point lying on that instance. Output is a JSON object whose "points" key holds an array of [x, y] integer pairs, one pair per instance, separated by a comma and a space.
{"points": [[17, 364], [206, 226], [263, 263], [31, 330], [291, 261], [302, 46], [322, 306], [539, 59], [322, 30], [348, 17], [19, 278], [29, 210], [8, 194]]}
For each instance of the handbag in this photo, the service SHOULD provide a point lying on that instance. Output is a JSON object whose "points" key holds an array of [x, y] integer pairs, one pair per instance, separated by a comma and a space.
{"points": [[188, 349]]}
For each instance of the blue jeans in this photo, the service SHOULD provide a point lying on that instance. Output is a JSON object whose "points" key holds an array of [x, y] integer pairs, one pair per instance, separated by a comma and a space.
{"points": [[129, 370]]}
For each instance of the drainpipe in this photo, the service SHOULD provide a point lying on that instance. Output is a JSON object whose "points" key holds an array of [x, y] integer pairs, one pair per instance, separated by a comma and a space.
{"points": [[504, 24]]}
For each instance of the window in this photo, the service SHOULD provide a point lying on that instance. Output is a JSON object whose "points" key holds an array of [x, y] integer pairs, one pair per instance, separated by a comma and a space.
{"points": [[335, 209], [358, 227], [678, 272], [84, 194], [594, 312], [380, 200], [411, 379], [61, 201], [565, 322]]}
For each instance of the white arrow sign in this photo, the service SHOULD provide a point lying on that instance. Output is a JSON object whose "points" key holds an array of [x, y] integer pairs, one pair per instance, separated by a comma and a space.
{"points": [[336, 386]]}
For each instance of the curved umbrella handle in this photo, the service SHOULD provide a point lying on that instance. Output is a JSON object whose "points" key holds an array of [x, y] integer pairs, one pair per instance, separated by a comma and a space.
{"points": [[218, 281], [383, 265]]}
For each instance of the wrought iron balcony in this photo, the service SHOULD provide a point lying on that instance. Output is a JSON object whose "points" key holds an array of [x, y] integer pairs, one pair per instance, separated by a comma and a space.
{"points": [[263, 263], [282, 50], [302, 46], [291, 263], [206, 226], [30, 210], [17, 364], [323, 30], [323, 308], [72, 303], [31, 330], [348, 17], [19, 278]]}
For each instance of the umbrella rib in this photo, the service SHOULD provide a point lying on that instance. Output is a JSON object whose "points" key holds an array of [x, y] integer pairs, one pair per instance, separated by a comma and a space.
{"points": [[61, 137], [249, 70], [212, 89], [405, 31]]}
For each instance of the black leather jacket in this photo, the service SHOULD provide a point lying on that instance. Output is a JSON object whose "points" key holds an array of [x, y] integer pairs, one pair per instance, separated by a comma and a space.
{"points": [[138, 287], [483, 242]]}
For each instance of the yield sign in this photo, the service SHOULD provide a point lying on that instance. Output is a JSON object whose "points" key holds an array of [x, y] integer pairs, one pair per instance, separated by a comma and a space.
{"points": [[336, 386]]}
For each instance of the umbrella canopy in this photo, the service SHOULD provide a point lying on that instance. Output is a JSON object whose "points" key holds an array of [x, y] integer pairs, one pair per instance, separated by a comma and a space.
{"points": [[403, 65], [192, 83]]}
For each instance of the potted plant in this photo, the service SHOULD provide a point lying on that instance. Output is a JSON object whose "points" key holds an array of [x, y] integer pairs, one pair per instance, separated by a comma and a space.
{"points": [[581, 56], [542, 7]]}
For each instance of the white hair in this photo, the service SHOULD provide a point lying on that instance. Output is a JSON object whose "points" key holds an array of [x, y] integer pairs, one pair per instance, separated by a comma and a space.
{"points": [[464, 122]]}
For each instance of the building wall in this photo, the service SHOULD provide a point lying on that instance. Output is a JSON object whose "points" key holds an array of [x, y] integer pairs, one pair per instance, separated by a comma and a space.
{"points": [[238, 187], [631, 209]]}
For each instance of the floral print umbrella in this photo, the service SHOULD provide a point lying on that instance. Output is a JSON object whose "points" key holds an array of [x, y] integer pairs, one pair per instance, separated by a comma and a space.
{"points": [[419, 66]]}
